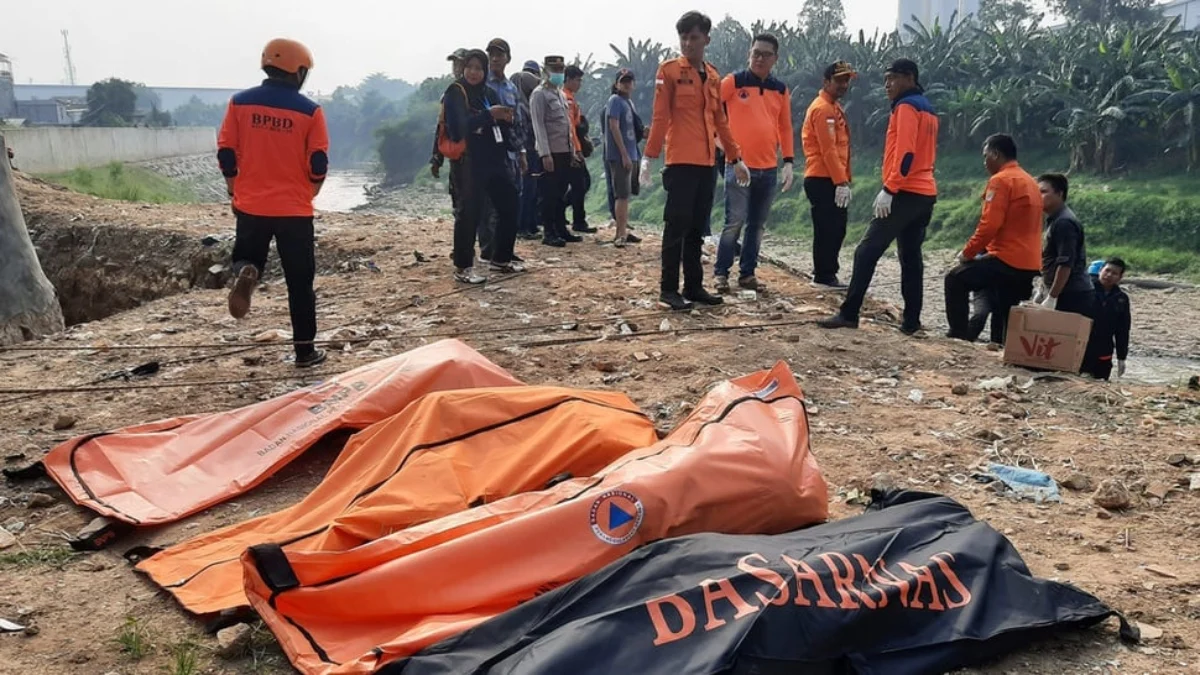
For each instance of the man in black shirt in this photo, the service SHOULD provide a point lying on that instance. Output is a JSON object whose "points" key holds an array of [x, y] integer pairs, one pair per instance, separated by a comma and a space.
{"points": [[1066, 285], [1111, 324]]}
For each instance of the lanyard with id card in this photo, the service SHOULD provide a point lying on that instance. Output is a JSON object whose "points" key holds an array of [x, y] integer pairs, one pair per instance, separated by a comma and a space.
{"points": [[499, 135]]}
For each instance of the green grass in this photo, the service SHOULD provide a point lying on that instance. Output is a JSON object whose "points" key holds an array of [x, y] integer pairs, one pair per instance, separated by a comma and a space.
{"points": [[185, 658], [38, 557], [123, 183], [133, 639], [1152, 220]]}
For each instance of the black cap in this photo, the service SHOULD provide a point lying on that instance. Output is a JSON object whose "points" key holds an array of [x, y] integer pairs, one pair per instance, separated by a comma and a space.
{"points": [[499, 44], [904, 67], [625, 74]]}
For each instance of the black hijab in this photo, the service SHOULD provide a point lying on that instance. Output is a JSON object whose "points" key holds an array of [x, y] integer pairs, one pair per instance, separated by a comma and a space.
{"points": [[477, 95]]}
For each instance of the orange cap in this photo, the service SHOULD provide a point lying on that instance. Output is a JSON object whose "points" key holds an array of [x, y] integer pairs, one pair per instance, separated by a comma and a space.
{"points": [[287, 55]]}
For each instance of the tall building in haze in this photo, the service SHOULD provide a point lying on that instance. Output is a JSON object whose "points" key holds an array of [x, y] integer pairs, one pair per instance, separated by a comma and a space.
{"points": [[930, 11], [8, 96]]}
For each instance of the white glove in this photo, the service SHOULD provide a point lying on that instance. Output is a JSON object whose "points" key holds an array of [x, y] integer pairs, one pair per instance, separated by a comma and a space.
{"points": [[883, 204], [742, 173], [787, 177], [841, 197], [645, 179], [1120, 369], [1050, 302]]}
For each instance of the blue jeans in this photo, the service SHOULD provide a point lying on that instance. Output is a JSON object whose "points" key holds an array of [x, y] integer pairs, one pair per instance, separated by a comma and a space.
{"points": [[746, 209]]}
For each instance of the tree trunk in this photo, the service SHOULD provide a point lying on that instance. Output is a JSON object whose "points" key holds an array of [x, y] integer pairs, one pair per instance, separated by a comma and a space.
{"points": [[28, 303]]}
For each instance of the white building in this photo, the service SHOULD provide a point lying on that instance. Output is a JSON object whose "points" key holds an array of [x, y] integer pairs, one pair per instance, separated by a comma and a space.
{"points": [[940, 11], [1188, 12]]}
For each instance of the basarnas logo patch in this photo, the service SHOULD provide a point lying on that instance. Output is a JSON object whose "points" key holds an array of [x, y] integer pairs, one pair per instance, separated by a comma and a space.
{"points": [[616, 517]]}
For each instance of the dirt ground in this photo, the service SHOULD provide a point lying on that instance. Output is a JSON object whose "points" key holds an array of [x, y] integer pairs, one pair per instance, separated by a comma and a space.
{"points": [[882, 409]]}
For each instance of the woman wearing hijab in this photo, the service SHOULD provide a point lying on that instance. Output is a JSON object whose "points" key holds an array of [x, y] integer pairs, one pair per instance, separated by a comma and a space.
{"points": [[473, 114]]}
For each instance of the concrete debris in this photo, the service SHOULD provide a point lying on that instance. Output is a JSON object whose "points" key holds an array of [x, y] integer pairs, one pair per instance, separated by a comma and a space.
{"points": [[641, 357], [1112, 495], [41, 501], [1149, 632], [6, 539], [273, 335], [233, 641], [1194, 483], [1079, 482], [1158, 491], [960, 389], [916, 396], [1062, 566], [995, 384], [665, 325], [1160, 572], [885, 382], [64, 422]]}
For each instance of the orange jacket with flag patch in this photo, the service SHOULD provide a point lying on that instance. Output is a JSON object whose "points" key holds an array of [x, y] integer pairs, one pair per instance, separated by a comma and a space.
{"points": [[274, 142], [760, 116], [576, 115], [1010, 226], [688, 116], [826, 140], [911, 147]]}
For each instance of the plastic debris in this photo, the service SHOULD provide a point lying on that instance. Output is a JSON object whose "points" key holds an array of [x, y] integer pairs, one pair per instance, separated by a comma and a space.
{"points": [[1026, 483]]}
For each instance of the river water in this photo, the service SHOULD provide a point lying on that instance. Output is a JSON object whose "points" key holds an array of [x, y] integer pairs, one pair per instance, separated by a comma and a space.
{"points": [[343, 190]]}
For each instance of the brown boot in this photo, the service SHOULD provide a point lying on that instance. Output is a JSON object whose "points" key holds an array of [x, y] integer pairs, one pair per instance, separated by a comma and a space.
{"points": [[243, 289]]}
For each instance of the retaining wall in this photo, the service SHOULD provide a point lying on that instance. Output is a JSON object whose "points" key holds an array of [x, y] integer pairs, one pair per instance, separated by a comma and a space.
{"points": [[55, 149]]}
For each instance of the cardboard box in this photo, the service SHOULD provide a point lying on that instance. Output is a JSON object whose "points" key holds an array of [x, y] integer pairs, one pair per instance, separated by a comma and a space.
{"points": [[1046, 339]]}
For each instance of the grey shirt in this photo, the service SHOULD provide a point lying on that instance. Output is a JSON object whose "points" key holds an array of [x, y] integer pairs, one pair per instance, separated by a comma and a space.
{"points": [[551, 121], [1063, 245]]}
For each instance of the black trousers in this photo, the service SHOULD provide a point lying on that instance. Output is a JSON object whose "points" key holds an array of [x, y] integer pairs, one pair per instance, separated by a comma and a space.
{"points": [[906, 226], [829, 228], [477, 187], [580, 181], [690, 191], [1005, 287], [552, 193], [294, 242]]}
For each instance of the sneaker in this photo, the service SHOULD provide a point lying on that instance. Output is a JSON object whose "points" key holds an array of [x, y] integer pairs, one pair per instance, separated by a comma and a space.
{"points": [[631, 238], [314, 359], [750, 283], [722, 283], [703, 297], [468, 276], [572, 238], [619, 242], [243, 289], [674, 301], [584, 227], [553, 241], [829, 284], [510, 268], [838, 321]]}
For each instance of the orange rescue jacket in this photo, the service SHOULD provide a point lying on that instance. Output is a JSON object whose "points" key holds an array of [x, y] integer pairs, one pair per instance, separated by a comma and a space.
{"points": [[576, 115], [760, 116], [911, 147], [826, 140], [274, 141], [1010, 226], [688, 116]]}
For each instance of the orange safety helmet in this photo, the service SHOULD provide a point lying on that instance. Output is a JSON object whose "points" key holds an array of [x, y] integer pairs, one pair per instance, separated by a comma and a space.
{"points": [[287, 55]]}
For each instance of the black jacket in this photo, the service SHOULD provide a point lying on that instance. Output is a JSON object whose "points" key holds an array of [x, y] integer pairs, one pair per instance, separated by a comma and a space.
{"points": [[1112, 322]]}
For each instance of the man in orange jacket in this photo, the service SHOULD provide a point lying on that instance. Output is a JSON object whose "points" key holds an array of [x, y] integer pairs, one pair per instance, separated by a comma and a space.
{"points": [[688, 117], [273, 149], [1009, 236], [759, 107], [905, 204], [826, 140]]}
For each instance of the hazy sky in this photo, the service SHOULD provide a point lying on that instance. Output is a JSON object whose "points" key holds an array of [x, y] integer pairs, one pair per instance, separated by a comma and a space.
{"points": [[217, 42]]}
